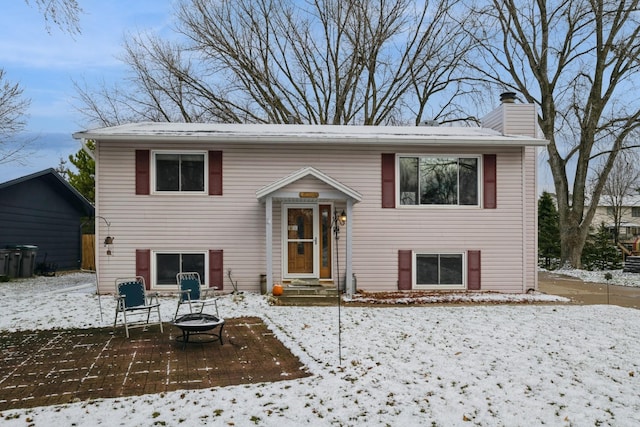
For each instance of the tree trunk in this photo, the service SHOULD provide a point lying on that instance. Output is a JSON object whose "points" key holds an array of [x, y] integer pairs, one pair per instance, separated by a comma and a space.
{"points": [[572, 241]]}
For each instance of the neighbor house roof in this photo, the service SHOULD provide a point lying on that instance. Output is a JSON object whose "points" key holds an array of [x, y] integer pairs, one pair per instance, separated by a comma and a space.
{"points": [[288, 133], [63, 188], [627, 201]]}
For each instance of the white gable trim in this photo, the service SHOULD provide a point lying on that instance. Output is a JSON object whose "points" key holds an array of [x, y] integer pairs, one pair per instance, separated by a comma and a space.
{"points": [[272, 189]]}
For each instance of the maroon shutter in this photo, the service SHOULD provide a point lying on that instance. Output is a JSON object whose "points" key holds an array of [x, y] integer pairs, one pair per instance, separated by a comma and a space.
{"points": [[216, 269], [490, 183], [143, 266], [405, 262], [473, 270], [215, 173], [388, 180], [142, 172]]}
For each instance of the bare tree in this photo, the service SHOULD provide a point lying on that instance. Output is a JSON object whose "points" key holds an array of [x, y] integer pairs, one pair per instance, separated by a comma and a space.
{"points": [[280, 61], [12, 119], [63, 13], [13, 106], [622, 183], [578, 60]]}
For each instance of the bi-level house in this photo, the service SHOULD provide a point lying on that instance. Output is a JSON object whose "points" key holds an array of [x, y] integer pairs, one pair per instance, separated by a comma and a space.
{"points": [[380, 208]]}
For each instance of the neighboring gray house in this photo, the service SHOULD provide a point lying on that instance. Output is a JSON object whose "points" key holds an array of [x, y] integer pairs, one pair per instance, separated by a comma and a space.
{"points": [[438, 208], [44, 210]]}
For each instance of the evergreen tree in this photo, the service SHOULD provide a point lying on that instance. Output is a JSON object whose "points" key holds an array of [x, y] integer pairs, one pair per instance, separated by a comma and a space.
{"points": [[84, 179], [599, 251], [548, 232], [62, 169]]}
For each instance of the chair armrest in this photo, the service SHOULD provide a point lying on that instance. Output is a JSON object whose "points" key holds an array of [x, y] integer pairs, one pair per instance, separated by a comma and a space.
{"points": [[204, 294], [152, 297]]}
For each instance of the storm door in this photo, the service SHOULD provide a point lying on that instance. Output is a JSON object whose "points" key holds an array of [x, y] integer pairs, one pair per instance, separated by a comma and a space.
{"points": [[301, 241]]}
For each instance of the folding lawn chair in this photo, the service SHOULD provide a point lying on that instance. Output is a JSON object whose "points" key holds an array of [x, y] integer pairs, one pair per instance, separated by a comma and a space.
{"points": [[132, 299], [191, 293]]}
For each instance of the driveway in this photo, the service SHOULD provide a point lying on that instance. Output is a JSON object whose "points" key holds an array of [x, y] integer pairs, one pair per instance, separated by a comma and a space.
{"points": [[587, 292]]}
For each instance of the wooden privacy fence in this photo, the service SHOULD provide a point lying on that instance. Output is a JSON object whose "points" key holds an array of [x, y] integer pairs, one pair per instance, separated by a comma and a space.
{"points": [[89, 252]]}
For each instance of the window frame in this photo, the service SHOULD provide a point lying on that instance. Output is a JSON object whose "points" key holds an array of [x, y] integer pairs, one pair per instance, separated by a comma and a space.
{"points": [[205, 171], [154, 266], [479, 180], [635, 212], [463, 266]]}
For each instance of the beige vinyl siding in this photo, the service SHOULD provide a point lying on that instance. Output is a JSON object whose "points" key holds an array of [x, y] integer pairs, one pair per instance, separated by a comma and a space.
{"points": [[235, 221], [513, 119]]}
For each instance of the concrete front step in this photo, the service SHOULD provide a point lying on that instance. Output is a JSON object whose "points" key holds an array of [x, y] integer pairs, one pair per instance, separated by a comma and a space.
{"points": [[306, 300], [308, 295], [315, 290]]}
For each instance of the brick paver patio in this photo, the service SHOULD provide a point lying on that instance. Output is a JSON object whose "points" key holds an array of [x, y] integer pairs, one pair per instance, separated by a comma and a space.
{"points": [[60, 366]]}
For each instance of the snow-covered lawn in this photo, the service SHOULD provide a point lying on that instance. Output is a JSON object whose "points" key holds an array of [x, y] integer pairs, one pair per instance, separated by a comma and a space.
{"points": [[511, 365]]}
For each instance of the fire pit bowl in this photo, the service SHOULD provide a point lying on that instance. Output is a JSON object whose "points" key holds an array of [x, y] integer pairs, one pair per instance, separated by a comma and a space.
{"points": [[199, 325]]}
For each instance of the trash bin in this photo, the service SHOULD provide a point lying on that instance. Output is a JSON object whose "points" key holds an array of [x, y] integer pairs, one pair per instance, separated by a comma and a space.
{"points": [[13, 262], [22, 260], [28, 262], [4, 262]]}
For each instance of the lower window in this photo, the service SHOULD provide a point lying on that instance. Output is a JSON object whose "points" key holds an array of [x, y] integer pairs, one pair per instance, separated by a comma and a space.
{"points": [[169, 264], [439, 270]]}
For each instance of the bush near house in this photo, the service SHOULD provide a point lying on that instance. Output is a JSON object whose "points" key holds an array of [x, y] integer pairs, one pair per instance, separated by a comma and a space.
{"points": [[600, 253]]}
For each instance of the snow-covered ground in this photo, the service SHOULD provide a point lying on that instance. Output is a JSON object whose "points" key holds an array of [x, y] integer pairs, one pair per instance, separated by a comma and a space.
{"points": [[511, 365], [618, 277]]}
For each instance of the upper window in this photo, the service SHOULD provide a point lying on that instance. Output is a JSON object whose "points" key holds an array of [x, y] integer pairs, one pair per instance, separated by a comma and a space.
{"points": [[179, 172], [439, 180], [444, 270], [635, 212], [168, 265]]}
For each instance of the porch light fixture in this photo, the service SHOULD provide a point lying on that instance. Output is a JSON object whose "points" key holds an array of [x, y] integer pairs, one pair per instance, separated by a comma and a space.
{"points": [[342, 219]]}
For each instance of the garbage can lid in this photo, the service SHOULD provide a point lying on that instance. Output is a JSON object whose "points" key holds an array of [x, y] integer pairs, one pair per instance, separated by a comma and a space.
{"points": [[22, 247]]}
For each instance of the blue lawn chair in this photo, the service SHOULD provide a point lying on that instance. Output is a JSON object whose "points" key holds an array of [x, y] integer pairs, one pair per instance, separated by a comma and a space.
{"points": [[132, 299], [191, 293]]}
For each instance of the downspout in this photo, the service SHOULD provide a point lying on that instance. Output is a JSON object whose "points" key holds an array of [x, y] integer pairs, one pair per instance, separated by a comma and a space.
{"points": [[523, 184], [86, 149]]}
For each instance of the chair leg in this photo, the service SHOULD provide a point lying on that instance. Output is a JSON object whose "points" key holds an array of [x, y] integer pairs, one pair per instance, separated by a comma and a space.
{"points": [[126, 325], [177, 309], [159, 319]]}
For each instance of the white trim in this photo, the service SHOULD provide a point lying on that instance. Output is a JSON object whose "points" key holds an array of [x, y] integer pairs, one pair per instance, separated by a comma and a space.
{"points": [[414, 270], [277, 186], [205, 155], [285, 247]]}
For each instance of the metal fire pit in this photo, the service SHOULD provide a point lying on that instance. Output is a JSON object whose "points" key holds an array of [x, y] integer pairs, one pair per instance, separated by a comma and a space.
{"points": [[199, 325]]}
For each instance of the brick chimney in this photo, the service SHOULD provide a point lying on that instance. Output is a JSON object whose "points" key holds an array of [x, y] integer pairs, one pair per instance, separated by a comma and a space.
{"points": [[511, 118]]}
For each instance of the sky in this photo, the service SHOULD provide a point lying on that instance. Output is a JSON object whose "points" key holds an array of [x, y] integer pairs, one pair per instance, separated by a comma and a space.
{"points": [[46, 63], [492, 364]]}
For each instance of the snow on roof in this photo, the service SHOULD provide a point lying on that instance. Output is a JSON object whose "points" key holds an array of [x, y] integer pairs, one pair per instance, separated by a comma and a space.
{"points": [[286, 133]]}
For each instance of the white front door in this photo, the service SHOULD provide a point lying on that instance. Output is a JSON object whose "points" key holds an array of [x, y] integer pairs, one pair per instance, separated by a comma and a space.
{"points": [[300, 228]]}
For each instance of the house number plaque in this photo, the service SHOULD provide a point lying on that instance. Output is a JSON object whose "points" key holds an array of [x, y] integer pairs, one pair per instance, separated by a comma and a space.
{"points": [[308, 195]]}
